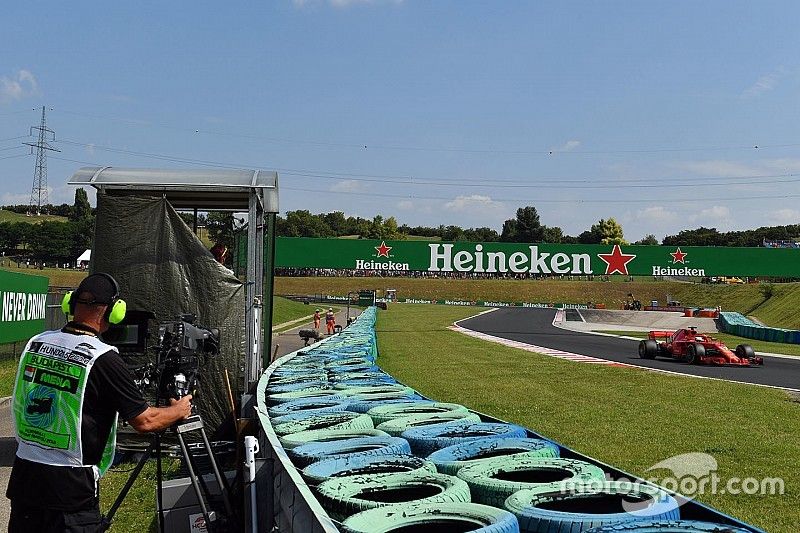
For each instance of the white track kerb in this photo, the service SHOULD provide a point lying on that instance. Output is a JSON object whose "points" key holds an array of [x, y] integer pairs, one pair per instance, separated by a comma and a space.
{"points": [[559, 354]]}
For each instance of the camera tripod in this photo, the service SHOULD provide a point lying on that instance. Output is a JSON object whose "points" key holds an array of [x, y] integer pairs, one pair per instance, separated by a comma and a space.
{"points": [[214, 522]]}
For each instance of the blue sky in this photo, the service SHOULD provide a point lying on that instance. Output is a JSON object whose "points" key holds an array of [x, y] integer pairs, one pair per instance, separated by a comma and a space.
{"points": [[436, 112]]}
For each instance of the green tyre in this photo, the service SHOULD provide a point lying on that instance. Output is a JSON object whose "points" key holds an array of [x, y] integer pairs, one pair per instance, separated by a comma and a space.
{"points": [[433, 517], [385, 413], [397, 426]]}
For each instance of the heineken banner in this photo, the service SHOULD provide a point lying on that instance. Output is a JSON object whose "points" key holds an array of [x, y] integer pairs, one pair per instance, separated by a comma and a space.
{"points": [[23, 300], [536, 259]]}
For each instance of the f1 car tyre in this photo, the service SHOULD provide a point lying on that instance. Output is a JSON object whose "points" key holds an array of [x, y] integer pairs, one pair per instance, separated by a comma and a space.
{"points": [[313, 405], [451, 459], [389, 412], [745, 351], [426, 440], [283, 397], [293, 440], [397, 426], [365, 406], [668, 526], [493, 481], [347, 496], [576, 507], [338, 420], [433, 517], [366, 465], [694, 353], [648, 349], [305, 454]]}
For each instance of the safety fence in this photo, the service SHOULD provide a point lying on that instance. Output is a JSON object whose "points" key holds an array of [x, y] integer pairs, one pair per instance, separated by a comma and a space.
{"points": [[340, 449], [738, 324]]}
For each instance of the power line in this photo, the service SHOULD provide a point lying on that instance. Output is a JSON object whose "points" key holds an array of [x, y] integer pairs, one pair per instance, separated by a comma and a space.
{"points": [[461, 182], [445, 149]]}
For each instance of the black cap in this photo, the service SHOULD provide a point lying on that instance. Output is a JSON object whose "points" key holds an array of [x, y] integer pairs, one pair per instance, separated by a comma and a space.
{"points": [[100, 286]]}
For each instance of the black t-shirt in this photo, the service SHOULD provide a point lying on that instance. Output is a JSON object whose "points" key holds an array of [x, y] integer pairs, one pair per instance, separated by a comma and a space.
{"points": [[109, 390]]}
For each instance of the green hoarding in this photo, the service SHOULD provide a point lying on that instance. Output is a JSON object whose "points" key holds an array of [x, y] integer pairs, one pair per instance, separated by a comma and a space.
{"points": [[536, 259], [23, 303]]}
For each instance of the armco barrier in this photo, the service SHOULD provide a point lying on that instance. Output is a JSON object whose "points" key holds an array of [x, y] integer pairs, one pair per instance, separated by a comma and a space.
{"points": [[738, 324], [294, 507]]}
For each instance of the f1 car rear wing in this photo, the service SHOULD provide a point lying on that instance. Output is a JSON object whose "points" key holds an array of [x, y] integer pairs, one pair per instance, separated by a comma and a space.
{"points": [[660, 335]]}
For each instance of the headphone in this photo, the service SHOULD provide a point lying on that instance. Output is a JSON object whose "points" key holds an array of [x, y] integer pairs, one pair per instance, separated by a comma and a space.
{"points": [[115, 311]]}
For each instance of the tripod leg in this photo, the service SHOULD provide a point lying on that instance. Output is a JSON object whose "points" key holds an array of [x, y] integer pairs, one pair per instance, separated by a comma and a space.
{"points": [[209, 517], [106, 520], [223, 483]]}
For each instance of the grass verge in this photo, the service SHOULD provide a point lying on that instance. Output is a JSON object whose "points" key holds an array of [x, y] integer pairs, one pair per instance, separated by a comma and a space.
{"points": [[730, 340], [630, 418]]}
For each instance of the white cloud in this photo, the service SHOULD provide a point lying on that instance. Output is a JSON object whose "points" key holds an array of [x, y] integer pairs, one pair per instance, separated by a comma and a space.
{"points": [[566, 147], [405, 205], [765, 83], [716, 212], [472, 202], [657, 213], [343, 3], [348, 186], [19, 85], [783, 217]]}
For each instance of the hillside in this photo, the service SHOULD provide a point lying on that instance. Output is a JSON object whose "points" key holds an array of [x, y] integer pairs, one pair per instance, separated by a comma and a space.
{"points": [[11, 216]]}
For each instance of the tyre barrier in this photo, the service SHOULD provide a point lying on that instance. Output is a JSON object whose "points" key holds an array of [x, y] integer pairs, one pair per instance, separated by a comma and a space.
{"points": [[577, 507], [449, 460], [389, 412], [366, 405], [338, 420], [292, 440], [426, 440], [357, 473], [283, 397], [670, 526], [315, 405], [361, 465], [398, 426], [347, 496], [495, 480], [472, 517], [305, 454]]}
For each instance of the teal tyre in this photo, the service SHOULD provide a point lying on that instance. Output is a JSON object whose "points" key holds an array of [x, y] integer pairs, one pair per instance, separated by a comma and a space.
{"points": [[292, 440], [283, 397], [305, 454], [493, 481], [567, 506], [366, 405], [443, 517], [398, 426], [313, 405], [338, 420], [426, 440], [389, 412], [301, 386], [347, 496], [361, 465], [367, 382], [451, 459], [669, 526], [376, 389], [274, 380]]}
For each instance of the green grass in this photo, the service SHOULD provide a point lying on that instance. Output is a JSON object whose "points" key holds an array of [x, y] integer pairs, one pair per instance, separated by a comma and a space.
{"points": [[9, 360], [59, 277], [630, 418], [284, 310], [138, 511], [11, 216], [730, 340]]}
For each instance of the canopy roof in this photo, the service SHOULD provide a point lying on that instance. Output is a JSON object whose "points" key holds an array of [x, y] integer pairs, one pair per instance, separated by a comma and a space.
{"points": [[218, 189], [85, 256]]}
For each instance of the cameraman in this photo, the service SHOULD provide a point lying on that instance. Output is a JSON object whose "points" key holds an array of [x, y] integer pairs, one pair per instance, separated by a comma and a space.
{"points": [[69, 390]]}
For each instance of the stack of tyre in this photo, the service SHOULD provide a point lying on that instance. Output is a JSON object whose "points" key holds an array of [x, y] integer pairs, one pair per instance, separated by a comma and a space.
{"points": [[382, 458]]}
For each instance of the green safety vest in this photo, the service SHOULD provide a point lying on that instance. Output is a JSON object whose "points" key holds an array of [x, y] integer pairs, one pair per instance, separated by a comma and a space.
{"points": [[48, 399]]}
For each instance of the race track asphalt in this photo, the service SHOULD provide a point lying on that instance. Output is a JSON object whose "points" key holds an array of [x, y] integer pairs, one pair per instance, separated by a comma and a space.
{"points": [[535, 326]]}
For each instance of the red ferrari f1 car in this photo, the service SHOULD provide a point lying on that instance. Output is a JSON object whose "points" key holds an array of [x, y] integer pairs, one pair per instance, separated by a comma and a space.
{"points": [[686, 344]]}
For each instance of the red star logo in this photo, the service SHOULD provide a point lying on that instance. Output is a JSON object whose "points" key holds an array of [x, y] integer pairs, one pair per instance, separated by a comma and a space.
{"points": [[678, 256], [616, 261], [383, 250]]}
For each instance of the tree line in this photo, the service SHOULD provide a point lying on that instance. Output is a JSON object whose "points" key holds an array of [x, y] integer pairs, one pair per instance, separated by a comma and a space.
{"points": [[65, 241]]}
